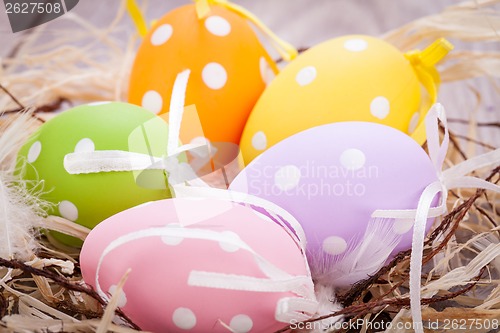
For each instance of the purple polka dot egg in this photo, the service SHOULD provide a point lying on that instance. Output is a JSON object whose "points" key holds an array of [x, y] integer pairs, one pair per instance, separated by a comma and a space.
{"points": [[331, 178]]}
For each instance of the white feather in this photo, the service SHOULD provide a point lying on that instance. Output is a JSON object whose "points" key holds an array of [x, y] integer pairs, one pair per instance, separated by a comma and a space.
{"points": [[20, 209], [360, 261], [325, 295]]}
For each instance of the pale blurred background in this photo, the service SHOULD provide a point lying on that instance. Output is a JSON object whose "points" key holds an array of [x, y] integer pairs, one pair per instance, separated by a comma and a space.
{"points": [[308, 22]]}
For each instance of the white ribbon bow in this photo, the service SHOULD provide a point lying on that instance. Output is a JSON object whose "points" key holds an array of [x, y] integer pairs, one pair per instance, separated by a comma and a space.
{"points": [[298, 308], [180, 175], [454, 177]]}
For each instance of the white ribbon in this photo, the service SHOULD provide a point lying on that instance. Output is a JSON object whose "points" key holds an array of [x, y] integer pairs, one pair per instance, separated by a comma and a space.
{"points": [[118, 161], [180, 175], [454, 177], [298, 308]]}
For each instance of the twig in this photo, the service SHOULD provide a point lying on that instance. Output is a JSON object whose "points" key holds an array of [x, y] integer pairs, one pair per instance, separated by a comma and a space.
{"points": [[3, 306], [70, 309], [357, 289], [475, 141], [486, 215], [21, 106], [454, 141], [375, 306], [53, 106], [70, 285], [459, 213], [465, 121]]}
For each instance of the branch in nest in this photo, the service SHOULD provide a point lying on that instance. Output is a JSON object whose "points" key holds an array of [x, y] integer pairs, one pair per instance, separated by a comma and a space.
{"points": [[483, 144], [70, 309], [60, 280], [486, 215], [426, 301], [454, 141], [460, 213], [456, 215], [464, 121], [12, 97], [3, 306], [50, 107], [358, 288], [377, 305]]}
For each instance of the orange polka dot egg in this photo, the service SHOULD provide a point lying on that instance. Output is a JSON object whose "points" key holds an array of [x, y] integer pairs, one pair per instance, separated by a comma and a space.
{"points": [[228, 67], [351, 78]]}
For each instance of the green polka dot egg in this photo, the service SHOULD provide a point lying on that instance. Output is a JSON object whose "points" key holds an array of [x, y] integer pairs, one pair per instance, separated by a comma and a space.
{"points": [[88, 199]]}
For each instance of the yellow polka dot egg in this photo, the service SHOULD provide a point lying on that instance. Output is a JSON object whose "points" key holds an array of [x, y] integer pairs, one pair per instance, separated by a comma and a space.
{"points": [[228, 65], [351, 78]]}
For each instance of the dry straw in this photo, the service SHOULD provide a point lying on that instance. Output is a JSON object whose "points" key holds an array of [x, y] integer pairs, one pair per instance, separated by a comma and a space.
{"points": [[41, 288]]}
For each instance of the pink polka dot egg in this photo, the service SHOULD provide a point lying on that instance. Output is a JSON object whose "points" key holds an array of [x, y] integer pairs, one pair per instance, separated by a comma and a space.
{"points": [[199, 265], [331, 178]]}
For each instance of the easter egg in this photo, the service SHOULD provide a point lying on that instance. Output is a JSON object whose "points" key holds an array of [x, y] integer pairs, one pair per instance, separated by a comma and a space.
{"points": [[331, 178], [87, 199], [351, 78], [228, 64], [175, 246]]}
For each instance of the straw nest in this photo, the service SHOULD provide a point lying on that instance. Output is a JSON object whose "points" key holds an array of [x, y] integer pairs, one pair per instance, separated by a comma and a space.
{"points": [[41, 290]]}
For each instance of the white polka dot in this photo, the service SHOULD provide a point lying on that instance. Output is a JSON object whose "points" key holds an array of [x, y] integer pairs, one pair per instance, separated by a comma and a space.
{"points": [[380, 107], [266, 72], [122, 298], [34, 151], [402, 226], [152, 101], [230, 247], [172, 241], [306, 75], [184, 318], [218, 26], [241, 323], [68, 210], [353, 159], [413, 122], [214, 75], [355, 45], [287, 177], [204, 148], [99, 103], [334, 245], [162, 34], [259, 141], [85, 146]]}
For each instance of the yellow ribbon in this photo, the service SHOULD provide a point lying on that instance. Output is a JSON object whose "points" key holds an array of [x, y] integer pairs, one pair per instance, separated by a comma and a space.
{"points": [[286, 50], [424, 62], [137, 17]]}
